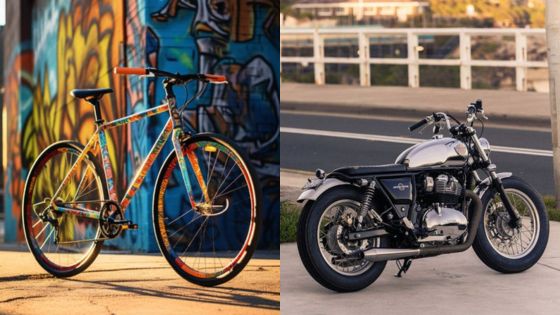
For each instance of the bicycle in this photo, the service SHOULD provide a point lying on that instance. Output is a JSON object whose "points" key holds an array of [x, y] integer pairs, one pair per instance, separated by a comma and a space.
{"points": [[205, 188]]}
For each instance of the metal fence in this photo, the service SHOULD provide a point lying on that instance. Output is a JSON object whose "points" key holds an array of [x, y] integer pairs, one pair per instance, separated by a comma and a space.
{"points": [[517, 50]]}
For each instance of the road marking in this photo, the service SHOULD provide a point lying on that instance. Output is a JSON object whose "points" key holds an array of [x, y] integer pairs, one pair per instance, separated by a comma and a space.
{"points": [[364, 116], [404, 140]]}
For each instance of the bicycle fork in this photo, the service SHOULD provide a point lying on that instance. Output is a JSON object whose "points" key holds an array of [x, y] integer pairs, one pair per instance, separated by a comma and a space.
{"points": [[177, 139]]}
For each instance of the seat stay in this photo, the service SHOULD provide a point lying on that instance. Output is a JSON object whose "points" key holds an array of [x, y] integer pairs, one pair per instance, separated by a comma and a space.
{"points": [[89, 146]]}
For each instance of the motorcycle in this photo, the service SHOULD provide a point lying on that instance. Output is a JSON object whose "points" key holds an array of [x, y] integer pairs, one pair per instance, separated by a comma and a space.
{"points": [[440, 196]]}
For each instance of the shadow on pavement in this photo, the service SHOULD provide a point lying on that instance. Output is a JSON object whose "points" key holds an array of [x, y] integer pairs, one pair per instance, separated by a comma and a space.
{"points": [[215, 295]]}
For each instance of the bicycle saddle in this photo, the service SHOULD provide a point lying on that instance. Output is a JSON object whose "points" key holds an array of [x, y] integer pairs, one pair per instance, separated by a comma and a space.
{"points": [[90, 93]]}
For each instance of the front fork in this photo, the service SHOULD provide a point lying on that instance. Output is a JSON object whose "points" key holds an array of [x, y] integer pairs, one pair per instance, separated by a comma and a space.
{"points": [[496, 182], [178, 138]]}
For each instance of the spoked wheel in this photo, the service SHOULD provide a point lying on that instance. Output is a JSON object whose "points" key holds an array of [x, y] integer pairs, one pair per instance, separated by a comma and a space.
{"points": [[331, 259], [511, 249], [210, 236], [330, 233], [63, 244], [506, 240]]}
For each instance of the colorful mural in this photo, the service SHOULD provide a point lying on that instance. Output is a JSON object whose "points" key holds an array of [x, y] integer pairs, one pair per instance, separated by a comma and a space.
{"points": [[238, 39], [77, 43]]}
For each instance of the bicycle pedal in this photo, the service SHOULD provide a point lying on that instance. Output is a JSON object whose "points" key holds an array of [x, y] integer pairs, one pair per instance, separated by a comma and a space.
{"points": [[130, 226]]}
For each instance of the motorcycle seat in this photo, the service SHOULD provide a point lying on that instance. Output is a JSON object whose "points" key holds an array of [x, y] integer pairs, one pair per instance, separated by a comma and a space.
{"points": [[368, 170]]}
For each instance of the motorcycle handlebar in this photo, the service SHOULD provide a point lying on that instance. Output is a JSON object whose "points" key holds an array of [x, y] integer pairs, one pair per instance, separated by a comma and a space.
{"points": [[418, 124]]}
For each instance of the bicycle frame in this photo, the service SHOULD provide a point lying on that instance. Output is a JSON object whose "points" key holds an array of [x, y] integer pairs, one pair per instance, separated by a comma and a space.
{"points": [[172, 127]]}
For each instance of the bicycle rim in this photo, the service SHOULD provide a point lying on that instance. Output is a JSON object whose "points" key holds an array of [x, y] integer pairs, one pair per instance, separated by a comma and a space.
{"points": [[207, 242], [62, 243]]}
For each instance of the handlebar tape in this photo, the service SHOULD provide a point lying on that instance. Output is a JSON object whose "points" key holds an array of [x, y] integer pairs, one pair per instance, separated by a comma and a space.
{"points": [[127, 71], [418, 124]]}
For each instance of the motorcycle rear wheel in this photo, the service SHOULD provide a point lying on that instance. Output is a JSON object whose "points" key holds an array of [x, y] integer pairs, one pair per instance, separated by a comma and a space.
{"points": [[311, 250]]}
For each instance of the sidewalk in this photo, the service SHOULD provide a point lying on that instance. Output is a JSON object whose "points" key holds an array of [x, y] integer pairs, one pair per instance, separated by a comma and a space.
{"points": [[501, 106], [448, 284], [133, 284]]}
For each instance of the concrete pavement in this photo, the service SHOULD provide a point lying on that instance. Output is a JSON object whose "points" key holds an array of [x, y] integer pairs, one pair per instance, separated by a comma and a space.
{"points": [[133, 284], [504, 106], [448, 284]]}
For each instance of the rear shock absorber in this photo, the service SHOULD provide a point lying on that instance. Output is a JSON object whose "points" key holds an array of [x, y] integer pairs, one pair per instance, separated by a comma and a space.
{"points": [[367, 201]]}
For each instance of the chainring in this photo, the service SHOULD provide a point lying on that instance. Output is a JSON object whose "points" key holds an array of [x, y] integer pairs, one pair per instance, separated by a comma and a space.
{"points": [[110, 212]]}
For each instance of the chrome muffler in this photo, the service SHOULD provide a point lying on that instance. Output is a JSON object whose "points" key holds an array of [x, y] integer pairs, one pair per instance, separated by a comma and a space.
{"points": [[384, 254]]}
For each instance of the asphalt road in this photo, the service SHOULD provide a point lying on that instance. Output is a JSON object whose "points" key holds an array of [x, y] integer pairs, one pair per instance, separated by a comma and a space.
{"points": [[308, 152]]}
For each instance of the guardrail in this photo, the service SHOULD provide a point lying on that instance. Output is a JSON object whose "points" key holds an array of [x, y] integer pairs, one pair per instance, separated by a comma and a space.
{"points": [[413, 61]]}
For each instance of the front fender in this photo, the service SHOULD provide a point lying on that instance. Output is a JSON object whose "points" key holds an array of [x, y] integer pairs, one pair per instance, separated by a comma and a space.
{"points": [[483, 186], [314, 193]]}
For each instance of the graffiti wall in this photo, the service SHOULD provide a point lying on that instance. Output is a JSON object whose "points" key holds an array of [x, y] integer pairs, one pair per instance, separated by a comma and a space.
{"points": [[76, 44]]}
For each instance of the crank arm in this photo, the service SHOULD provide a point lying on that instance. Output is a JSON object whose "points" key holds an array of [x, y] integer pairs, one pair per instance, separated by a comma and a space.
{"points": [[367, 234]]}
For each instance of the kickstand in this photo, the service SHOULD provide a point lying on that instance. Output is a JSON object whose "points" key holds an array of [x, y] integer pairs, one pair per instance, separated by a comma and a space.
{"points": [[403, 268]]}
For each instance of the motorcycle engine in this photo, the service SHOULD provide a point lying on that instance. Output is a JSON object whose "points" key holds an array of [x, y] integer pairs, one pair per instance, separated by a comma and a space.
{"points": [[441, 222]]}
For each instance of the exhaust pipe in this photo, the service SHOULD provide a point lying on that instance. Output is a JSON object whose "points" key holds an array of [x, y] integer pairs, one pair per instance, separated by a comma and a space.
{"points": [[384, 254]]}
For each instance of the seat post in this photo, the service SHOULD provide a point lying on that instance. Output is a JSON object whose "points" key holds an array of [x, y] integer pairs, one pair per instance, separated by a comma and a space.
{"points": [[97, 110]]}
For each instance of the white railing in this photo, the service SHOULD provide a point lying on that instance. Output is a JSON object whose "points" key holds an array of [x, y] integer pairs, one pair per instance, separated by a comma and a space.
{"points": [[413, 61]]}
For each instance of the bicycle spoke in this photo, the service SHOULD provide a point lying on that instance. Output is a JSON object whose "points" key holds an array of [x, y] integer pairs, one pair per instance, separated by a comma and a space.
{"points": [[48, 237], [184, 226], [229, 192], [194, 237], [42, 231], [238, 177], [209, 246], [179, 217], [73, 239]]}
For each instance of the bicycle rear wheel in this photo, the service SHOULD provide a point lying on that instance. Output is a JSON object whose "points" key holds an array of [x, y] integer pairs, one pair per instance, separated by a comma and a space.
{"points": [[211, 242], [62, 243]]}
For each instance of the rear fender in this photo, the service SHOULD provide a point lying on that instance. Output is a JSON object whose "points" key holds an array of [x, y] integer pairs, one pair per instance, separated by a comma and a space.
{"points": [[314, 193]]}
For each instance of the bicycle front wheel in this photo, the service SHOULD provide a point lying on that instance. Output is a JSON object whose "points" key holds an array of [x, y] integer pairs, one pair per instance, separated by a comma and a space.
{"points": [[207, 233]]}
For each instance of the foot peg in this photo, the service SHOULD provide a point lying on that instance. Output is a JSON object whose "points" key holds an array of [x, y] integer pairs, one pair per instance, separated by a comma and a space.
{"points": [[403, 268]]}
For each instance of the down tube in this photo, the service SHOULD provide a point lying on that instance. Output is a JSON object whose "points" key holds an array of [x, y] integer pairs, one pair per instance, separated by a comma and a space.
{"points": [[150, 159]]}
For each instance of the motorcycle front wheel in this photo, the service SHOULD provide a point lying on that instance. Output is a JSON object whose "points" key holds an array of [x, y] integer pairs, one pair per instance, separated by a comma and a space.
{"points": [[506, 249], [324, 254]]}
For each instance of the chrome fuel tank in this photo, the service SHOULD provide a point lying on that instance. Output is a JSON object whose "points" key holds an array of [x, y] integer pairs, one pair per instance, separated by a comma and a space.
{"points": [[436, 152]]}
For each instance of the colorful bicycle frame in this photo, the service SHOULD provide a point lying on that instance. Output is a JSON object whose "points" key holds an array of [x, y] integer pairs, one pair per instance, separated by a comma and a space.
{"points": [[172, 126]]}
